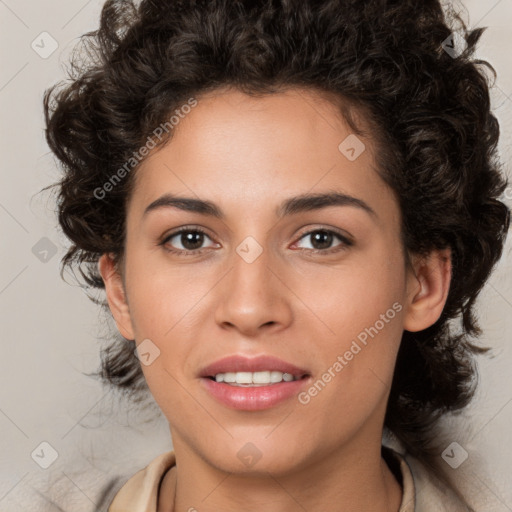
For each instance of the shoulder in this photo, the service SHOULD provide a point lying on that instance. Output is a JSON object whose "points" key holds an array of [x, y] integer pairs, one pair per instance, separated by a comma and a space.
{"points": [[423, 491], [431, 493], [140, 492]]}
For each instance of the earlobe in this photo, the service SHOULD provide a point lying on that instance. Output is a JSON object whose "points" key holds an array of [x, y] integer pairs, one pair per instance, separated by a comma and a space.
{"points": [[428, 285], [116, 295]]}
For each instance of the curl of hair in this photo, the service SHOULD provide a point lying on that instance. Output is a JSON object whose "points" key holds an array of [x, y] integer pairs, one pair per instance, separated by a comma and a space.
{"points": [[429, 114]]}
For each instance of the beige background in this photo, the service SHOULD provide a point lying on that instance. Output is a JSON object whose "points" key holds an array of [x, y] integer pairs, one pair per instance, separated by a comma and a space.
{"points": [[50, 329]]}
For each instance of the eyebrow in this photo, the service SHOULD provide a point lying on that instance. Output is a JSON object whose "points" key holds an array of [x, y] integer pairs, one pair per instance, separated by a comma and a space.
{"points": [[291, 206]]}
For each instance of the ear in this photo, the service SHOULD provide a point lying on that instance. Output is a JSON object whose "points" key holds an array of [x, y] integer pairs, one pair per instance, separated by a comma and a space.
{"points": [[116, 295], [428, 283]]}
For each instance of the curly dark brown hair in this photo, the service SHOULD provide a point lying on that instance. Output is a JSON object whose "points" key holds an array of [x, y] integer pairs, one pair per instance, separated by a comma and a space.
{"points": [[429, 113]]}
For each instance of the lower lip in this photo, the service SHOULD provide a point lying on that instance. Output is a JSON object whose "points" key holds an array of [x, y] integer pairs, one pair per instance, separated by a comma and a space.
{"points": [[253, 398]]}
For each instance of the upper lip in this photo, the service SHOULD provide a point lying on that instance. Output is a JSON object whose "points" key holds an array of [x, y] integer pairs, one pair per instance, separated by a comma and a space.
{"points": [[237, 363]]}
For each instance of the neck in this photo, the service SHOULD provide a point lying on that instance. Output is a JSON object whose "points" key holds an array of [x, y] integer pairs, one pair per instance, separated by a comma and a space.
{"points": [[347, 480]]}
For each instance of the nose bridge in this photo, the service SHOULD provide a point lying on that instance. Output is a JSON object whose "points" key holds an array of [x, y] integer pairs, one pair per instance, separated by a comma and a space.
{"points": [[251, 295], [250, 267]]}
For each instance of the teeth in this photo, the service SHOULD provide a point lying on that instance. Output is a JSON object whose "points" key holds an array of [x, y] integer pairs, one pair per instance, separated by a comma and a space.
{"points": [[276, 376], [254, 378]]}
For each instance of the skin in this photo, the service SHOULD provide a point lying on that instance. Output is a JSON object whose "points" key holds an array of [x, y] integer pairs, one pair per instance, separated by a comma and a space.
{"points": [[247, 155]]}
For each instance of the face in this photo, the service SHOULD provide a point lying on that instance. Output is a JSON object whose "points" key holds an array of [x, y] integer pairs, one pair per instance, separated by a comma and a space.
{"points": [[264, 284]]}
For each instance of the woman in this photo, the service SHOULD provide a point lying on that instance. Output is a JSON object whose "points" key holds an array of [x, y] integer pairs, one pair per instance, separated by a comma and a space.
{"points": [[287, 203]]}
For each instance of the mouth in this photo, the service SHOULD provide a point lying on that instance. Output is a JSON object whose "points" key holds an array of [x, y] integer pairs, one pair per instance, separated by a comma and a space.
{"points": [[250, 371], [253, 384]]}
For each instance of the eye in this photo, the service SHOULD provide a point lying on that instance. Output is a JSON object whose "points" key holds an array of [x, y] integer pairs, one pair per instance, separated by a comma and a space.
{"points": [[190, 240], [322, 239]]}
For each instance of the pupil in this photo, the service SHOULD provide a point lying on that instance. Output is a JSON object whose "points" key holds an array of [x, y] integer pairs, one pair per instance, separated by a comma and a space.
{"points": [[187, 239], [327, 239]]}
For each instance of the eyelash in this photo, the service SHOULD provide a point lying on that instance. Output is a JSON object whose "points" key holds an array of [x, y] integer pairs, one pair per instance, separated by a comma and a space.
{"points": [[345, 242]]}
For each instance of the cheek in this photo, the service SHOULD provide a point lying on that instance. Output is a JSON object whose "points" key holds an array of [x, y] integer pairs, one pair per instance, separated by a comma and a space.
{"points": [[162, 297], [355, 370], [358, 295], [362, 322], [165, 305]]}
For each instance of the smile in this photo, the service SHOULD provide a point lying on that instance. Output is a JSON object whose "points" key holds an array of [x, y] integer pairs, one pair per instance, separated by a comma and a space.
{"points": [[253, 384], [254, 379]]}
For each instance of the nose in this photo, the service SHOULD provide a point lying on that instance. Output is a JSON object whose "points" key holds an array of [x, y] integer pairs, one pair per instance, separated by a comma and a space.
{"points": [[253, 297]]}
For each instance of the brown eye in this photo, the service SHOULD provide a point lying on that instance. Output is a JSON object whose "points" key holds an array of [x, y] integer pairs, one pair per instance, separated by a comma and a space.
{"points": [[185, 240], [191, 239], [322, 240]]}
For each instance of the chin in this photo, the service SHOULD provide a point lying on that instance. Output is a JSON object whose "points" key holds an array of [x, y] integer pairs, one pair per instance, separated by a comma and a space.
{"points": [[257, 456]]}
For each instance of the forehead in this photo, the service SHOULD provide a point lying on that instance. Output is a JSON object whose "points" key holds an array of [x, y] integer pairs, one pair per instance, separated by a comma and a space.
{"points": [[257, 149]]}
